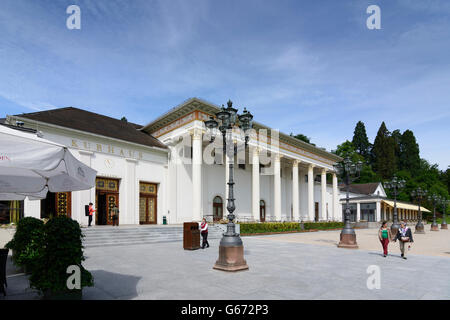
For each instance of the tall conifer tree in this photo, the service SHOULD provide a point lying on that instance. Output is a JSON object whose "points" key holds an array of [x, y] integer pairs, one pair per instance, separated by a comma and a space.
{"points": [[409, 155], [360, 140], [384, 153]]}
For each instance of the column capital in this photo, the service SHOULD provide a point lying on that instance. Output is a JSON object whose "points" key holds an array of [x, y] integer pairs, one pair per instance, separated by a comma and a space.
{"points": [[295, 163], [278, 157], [196, 133], [256, 151], [311, 166], [324, 171]]}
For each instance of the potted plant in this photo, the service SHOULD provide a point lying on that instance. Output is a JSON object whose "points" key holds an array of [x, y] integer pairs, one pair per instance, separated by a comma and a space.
{"points": [[26, 243], [62, 247]]}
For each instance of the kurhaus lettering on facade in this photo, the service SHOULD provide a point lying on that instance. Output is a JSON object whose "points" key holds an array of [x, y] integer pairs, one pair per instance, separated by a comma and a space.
{"points": [[103, 148]]}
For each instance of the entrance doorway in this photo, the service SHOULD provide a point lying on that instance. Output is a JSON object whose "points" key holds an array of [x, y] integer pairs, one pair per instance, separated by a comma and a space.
{"points": [[262, 211], [147, 203], [106, 196], [217, 208], [56, 204]]}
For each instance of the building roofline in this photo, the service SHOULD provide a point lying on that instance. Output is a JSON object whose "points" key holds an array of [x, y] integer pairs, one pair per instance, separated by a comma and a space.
{"points": [[152, 126], [51, 125]]}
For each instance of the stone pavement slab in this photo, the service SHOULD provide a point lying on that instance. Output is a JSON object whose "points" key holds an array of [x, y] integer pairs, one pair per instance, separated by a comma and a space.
{"points": [[279, 269]]}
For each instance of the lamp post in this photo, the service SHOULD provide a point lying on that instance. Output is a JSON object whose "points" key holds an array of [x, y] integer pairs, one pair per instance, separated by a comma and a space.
{"points": [[445, 201], [419, 194], [395, 185], [231, 249], [434, 199], [349, 171]]}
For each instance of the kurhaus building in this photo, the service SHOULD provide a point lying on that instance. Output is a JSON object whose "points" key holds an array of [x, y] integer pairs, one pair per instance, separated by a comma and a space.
{"points": [[168, 170]]}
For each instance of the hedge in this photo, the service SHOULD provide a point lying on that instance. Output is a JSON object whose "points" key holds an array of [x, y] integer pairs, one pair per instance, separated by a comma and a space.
{"points": [[269, 227]]}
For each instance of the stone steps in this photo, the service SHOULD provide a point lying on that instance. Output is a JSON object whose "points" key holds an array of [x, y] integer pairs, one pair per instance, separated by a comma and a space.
{"points": [[134, 235]]}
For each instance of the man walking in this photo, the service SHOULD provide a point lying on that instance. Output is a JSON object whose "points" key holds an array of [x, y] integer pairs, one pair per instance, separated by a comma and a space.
{"points": [[404, 235]]}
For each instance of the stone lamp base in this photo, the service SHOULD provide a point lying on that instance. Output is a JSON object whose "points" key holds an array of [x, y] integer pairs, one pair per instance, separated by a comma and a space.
{"points": [[231, 258], [348, 241]]}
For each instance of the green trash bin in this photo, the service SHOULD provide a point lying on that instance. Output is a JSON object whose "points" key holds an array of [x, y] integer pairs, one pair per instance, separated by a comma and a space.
{"points": [[164, 220]]}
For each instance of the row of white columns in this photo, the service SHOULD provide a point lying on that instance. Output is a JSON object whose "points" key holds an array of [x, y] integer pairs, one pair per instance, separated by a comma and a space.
{"points": [[197, 187], [295, 190]]}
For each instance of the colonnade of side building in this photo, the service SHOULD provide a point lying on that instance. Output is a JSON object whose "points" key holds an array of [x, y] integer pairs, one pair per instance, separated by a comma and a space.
{"points": [[254, 156]]}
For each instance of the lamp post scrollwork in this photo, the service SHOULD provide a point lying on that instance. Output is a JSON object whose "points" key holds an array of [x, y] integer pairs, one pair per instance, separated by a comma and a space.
{"points": [[349, 171], [419, 194], [231, 249]]}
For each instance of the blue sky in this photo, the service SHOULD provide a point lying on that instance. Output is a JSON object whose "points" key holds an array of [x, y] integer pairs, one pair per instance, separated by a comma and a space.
{"points": [[308, 67]]}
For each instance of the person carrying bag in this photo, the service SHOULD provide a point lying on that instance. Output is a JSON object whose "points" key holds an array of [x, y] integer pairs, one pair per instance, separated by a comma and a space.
{"points": [[404, 236]]}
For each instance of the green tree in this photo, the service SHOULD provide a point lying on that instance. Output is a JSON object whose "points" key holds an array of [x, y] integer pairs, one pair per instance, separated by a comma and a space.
{"points": [[397, 136], [347, 149], [409, 155], [303, 138], [360, 140], [384, 153]]}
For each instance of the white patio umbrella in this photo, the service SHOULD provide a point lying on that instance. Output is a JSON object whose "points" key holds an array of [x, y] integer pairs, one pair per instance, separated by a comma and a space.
{"points": [[21, 196], [31, 166]]}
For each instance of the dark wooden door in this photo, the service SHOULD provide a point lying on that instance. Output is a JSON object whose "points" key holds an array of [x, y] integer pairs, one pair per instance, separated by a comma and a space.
{"points": [[217, 208], [262, 211], [63, 204], [147, 209], [316, 212], [111, 200]]}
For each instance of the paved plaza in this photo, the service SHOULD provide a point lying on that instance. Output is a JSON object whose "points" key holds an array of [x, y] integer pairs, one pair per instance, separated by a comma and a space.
{"points": [[281, 267]]}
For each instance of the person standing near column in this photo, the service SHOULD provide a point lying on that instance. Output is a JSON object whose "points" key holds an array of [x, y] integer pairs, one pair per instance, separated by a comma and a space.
{"points": [[91, 212], [384, 234], [204, 233]]}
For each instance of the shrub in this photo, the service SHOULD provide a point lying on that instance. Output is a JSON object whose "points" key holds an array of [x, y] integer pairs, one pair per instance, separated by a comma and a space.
{"points": [[27, 243], [268, 227], [323, 225], [62, 248]]}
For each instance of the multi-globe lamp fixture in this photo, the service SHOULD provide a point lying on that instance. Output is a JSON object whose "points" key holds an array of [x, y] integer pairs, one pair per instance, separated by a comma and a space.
{"points": [[231, 249]]}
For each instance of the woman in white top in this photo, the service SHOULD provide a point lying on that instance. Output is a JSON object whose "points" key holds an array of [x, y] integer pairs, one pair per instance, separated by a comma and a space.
{"points": [[204, 233]]}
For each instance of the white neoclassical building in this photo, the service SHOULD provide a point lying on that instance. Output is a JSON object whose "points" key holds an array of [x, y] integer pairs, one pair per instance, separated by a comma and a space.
{"points": [[168, 170]]}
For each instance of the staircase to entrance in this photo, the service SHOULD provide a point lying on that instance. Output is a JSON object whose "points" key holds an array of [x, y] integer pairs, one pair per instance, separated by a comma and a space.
{"points": [[100, 236]]}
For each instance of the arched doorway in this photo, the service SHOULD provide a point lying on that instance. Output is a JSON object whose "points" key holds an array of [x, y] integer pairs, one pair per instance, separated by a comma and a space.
{"points": [[262, 211], [217, 208]]}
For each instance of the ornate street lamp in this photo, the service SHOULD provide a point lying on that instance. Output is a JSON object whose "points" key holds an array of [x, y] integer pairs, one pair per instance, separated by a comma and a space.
{"points": [[435, 199], [349, 171], [444, 202], [419, 194], [231, 249], [395, 185]]}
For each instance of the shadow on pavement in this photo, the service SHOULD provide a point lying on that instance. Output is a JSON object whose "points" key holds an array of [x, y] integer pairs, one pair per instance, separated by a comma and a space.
{"points": [[110, 285]]}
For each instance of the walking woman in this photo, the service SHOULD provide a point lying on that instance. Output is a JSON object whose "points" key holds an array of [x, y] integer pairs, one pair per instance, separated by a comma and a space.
{"points": [[204, 233], [404, 236], [384, 234]]}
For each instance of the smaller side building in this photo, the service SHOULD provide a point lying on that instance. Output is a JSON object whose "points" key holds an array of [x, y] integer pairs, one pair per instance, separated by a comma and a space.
{"points": [[369, 204]]}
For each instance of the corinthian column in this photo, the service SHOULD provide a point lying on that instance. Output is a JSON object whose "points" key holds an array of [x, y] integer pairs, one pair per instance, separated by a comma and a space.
{"points": [[295, 195], [311, 192], [277, 188], [255, 184], [323, 193], [335, 197], [197, 175]]}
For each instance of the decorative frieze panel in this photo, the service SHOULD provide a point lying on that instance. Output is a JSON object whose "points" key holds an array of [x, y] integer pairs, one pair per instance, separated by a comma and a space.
{"points": [[104, 184]]}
